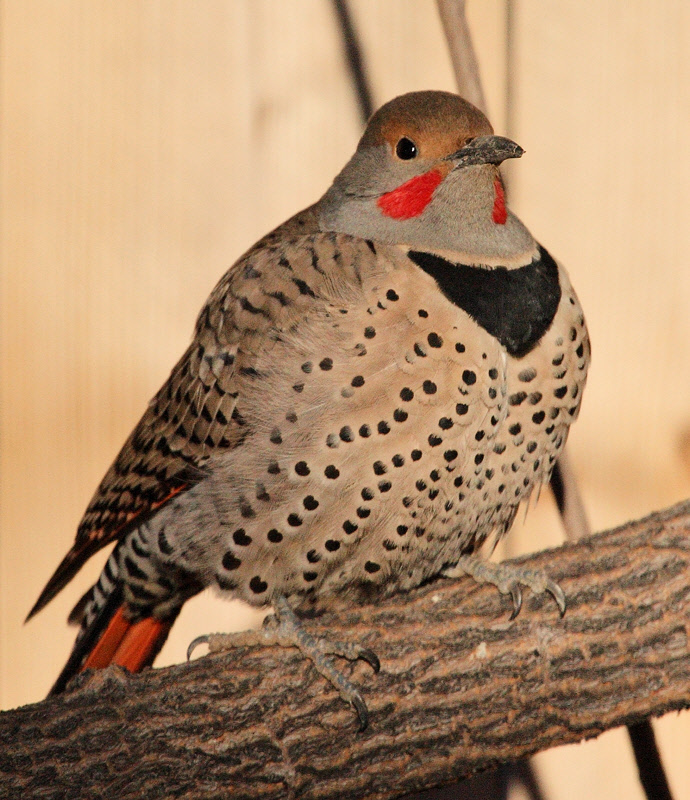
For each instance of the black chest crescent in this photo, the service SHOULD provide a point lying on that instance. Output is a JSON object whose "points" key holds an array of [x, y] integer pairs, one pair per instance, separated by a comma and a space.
{"points": [[517, 306]]}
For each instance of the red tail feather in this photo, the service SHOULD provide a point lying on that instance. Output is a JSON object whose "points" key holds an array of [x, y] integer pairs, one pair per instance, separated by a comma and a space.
{"points": [[106, 647], [132, 645], [141, 643]]}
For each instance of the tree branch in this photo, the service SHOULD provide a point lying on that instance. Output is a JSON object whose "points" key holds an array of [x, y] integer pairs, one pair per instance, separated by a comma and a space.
{"points": [[461, 689]]}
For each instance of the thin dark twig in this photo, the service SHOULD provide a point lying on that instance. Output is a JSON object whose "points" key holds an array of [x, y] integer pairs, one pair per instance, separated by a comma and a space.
{"points": [[353, 56], [651, 770], [462, 55]]}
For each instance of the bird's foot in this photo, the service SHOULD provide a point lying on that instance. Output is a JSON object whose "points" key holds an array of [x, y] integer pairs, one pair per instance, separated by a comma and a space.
{"points": [[508, 579], [285, 629]]}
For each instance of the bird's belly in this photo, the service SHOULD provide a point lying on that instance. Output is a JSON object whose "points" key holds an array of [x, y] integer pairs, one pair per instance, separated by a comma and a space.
{"points": [[375, 460]]}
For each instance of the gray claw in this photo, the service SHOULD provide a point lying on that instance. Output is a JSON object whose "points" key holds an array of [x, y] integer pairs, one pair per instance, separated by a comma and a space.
{"points": [[516, 595], [371, 658], [558, 595], [193, 645], [362, 712]]}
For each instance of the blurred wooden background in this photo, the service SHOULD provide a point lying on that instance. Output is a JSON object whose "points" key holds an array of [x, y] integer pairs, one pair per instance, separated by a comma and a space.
{"points": [[145, 145]]}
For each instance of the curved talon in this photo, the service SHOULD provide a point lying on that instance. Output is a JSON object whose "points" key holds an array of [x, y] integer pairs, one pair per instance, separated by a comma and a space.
{"points": [[371, 658], [270, 622], [193, 645], [558, 595], [362, 711], [516, 595]]}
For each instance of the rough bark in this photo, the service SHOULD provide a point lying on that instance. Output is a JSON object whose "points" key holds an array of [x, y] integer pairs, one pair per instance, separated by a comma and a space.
{"points": [[461, 689]]}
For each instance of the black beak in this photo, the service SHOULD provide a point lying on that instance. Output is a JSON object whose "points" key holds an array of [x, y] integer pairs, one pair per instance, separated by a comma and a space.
{"points": [[486, 150]]}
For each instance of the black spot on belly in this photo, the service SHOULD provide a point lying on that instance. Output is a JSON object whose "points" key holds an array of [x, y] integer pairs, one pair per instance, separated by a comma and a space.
{"points": [[230, 561], [241, 538], [346, 434], [516, 306], [257, 585]]}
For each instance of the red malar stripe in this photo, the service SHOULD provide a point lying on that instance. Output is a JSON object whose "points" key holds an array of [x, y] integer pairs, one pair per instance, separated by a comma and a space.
{"points": [[499, 214], [410, 199]]}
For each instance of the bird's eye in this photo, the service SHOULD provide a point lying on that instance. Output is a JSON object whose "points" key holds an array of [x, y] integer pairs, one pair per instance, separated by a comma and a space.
{"points": [[406, 149]]}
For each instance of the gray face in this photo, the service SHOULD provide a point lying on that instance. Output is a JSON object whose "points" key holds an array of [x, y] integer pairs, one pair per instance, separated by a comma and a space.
{"points": [[458, 217], [373, 171]]}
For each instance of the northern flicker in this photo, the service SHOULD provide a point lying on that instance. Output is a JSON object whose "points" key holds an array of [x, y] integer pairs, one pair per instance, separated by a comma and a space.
{"points": [[371, 392]]}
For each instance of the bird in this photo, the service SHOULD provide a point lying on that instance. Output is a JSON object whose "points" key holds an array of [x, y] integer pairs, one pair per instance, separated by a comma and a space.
{"points": [[371, 392]]}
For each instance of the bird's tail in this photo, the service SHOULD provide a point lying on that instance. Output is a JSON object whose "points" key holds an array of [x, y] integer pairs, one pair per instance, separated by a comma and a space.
{"points": [[107, 636]]}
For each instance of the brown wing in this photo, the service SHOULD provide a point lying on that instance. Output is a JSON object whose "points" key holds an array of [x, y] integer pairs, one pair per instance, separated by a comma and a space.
{"points": [[193, 417], [190, 417]]}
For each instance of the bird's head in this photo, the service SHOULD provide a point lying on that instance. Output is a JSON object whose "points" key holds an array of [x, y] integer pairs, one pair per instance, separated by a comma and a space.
{"points": [[425, 172]]}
